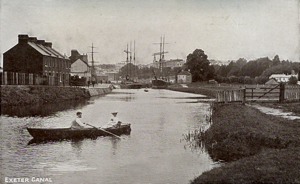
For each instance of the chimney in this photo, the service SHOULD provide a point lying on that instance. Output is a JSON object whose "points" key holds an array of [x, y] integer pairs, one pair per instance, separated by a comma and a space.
{"points": [[42, 42], [32, 39], [48, 44], [74, 53], [23, 39], [84, 58]]}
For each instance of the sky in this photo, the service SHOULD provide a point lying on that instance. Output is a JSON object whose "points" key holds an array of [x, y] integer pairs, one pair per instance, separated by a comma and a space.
{"points": [[224, 29]]}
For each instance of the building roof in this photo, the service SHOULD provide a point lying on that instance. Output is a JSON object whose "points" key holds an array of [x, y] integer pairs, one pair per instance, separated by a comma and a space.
{"points": [[282, 76], [80, 59], [272, 81], [45, 50], [278, 76]]}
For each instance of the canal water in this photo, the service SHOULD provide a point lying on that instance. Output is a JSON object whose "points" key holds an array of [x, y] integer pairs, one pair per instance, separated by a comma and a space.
{"points": [[155, 151]]}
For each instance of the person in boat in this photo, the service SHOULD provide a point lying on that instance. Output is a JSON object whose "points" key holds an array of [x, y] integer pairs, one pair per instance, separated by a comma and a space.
{"points": [[77, 122], [114, 121]]}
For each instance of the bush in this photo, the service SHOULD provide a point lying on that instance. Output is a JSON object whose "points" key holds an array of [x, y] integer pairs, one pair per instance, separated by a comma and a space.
{"points": [[293, 80]]}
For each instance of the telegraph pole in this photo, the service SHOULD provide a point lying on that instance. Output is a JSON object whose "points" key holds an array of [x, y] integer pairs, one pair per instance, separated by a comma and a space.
{"points": [[93, 74]]}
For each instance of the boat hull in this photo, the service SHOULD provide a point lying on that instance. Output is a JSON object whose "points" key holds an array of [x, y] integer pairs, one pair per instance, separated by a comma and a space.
{"points": [[69, 133], [159, 84], [131, 86]]}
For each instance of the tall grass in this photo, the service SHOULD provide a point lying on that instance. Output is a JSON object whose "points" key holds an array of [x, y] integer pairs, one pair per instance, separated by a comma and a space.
{"points": [[195, 139]]}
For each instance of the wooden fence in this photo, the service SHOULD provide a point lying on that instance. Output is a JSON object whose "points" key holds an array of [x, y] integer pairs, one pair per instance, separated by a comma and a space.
{"points": [[280, 93], [226, 96], [292, 93]]}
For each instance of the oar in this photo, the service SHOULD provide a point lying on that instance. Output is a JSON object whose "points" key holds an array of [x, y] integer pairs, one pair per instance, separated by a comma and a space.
{"points": [[104, 131]]}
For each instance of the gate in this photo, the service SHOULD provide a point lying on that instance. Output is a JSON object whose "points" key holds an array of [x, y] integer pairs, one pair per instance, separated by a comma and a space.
{"points": [[278, 93], [264, 93]]}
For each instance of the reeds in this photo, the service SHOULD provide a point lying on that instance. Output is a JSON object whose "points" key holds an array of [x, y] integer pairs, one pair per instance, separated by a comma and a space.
{"points": [[195, 139]]}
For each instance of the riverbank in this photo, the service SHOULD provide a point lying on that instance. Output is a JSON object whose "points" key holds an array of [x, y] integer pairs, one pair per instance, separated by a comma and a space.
{"points": [[193, 89], [27, 95], [256, 147]]}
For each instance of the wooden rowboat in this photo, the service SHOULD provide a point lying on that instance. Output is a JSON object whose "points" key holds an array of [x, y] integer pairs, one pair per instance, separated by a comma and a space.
{"points": [[70, 133]]}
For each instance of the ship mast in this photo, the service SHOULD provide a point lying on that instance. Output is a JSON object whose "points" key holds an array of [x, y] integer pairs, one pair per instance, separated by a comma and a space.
{"points": [[130, 60], [127, 52], [161, 53], [93, 74], [134, 69]]}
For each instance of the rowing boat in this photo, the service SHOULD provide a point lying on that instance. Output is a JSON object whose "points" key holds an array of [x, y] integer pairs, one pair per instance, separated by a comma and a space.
{"points": [[70, 133]]}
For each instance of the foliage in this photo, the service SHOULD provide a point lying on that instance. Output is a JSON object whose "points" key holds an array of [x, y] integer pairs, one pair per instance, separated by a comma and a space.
{"points": [[261, 80], [285, 67], [255, 71], [256, 67], [199, 66], [293, 80], [129, 71]]}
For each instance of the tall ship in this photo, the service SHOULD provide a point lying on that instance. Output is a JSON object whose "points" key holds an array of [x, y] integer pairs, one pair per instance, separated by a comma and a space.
{"points": [[129, 82], [159, 81]]}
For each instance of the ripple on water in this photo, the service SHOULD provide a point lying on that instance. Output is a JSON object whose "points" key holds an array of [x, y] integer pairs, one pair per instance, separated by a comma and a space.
{"points": [[69, 166]]}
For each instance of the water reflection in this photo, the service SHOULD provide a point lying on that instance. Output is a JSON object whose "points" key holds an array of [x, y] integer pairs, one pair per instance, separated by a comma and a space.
{"points": [[77, 147], [114, 143], [42, 110], [129, 97]]}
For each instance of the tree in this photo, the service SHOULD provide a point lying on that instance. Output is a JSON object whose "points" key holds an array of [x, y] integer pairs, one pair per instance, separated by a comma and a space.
{"points": [[276, 60], [256, 67], [235, 68], [199, 66], [128, 71], [293, 80]]}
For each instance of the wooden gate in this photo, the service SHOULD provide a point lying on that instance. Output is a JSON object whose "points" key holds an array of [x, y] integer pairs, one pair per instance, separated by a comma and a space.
{"points": [[278, 93], [263, 93]]}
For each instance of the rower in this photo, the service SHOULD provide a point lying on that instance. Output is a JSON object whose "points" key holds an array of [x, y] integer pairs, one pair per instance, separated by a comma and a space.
{"points": [[77, 124], [114, 122]]}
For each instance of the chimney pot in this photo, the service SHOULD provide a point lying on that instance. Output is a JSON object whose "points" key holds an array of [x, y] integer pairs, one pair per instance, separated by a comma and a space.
{"points": [[23, 38], [42, 42], [48, 44], [32, 39]]}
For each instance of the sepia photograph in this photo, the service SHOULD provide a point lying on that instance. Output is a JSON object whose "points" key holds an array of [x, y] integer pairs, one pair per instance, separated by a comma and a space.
{"points": [[149, 91]]}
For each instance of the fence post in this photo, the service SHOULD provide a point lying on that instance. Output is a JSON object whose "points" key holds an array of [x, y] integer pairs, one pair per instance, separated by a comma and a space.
{"points": [[244, 96], [281, 92]]}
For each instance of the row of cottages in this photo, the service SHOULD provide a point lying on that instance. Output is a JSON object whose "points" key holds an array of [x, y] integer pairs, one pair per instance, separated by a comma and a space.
{"points": [[35, 62]]}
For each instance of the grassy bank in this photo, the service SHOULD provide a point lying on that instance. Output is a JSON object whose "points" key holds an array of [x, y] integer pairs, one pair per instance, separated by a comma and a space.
{"points": [[26, 95], [258, 148], [209, 90], [197, 90]]}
